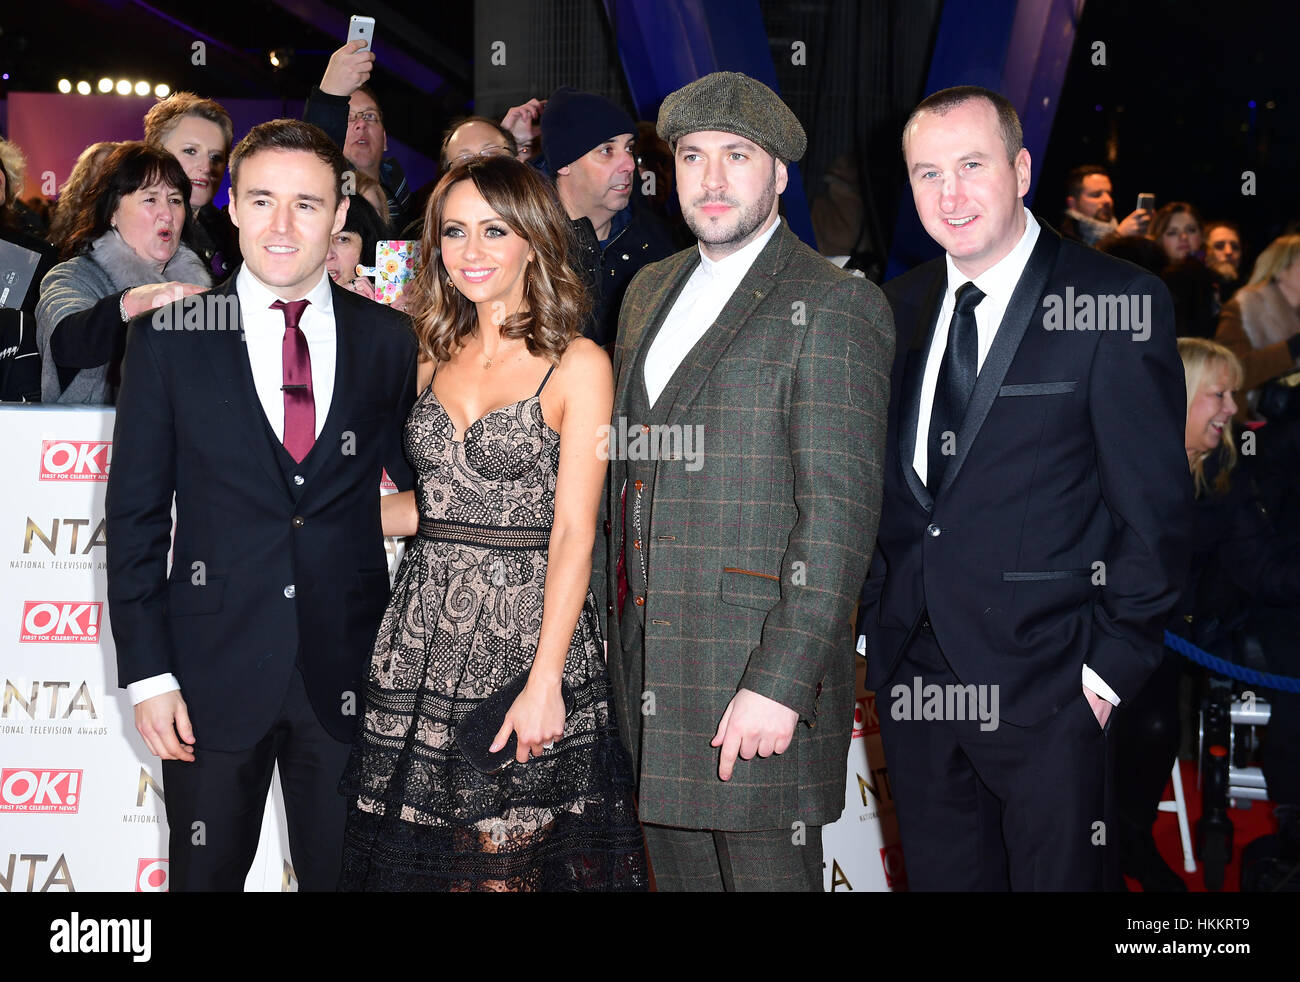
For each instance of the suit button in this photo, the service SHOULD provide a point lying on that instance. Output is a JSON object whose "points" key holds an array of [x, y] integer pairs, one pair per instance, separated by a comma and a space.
{"points": [[932, 530], [607, 526], [626, 256], [290, 592], [636, 543], [640, 601], [610, 610], [298, 521], [298, 480], [645, 427], [639, 485]]}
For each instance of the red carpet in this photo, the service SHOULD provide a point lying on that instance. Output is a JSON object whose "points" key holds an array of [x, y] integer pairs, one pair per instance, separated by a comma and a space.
{"points": [[1247, 825]]}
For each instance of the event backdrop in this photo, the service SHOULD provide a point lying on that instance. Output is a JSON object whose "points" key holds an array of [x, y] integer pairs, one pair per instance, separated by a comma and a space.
{"points": [[81, 797], [52, 129]]}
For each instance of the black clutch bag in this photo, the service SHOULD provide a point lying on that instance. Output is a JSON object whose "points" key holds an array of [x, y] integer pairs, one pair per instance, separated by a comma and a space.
{"points": [[475, 733]]}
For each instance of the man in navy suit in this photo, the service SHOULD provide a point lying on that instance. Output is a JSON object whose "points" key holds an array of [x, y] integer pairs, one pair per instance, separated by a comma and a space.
{"points": [[269, 408], [1036, 520]]}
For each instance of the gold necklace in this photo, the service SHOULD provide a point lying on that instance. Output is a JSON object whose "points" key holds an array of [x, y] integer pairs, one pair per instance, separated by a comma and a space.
{"points": [[487, 362]]}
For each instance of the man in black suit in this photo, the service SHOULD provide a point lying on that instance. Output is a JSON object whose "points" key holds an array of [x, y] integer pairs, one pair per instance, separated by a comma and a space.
{"points": [[1036, 520], [269, 407]]}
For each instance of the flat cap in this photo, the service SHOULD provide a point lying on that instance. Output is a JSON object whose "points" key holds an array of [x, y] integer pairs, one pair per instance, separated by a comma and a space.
{"points": [[733, 103]]}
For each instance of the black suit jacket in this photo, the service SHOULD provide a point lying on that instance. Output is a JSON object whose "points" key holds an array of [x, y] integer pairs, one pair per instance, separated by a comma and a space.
{"points": [[189, 422], [1070, 454]]}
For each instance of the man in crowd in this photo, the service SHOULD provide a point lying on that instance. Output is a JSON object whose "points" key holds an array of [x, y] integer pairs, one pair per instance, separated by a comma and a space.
{"points": [[1035, 528], [345, 108], [733, 563], [587, 143], [1090, 208]]}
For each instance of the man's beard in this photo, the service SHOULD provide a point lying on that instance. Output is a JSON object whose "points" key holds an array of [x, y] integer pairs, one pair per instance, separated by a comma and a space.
{"points": [[748, 220]]}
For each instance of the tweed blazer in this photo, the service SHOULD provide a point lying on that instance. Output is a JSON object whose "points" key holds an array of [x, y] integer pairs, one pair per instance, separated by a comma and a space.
{"points": [[755, 557]]}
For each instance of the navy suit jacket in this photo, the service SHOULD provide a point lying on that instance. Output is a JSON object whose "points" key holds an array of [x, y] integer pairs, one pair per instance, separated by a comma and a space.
{"points": [[189, 422], [1070, 454]]}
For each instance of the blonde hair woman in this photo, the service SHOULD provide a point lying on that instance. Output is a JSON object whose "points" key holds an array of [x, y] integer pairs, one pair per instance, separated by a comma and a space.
{"points": [[1261, 324], [1238, 558]]}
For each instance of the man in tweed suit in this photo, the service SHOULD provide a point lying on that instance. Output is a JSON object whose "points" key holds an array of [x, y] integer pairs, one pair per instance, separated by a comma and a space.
{"points": [[745, 482]]}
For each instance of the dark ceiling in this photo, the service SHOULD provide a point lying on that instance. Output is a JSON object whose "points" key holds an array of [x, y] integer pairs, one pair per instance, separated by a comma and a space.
{"points": [[425, 80]]}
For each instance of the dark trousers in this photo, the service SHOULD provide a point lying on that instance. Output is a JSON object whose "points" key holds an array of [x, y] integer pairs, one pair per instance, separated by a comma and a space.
{"points": [[1012, 807], [705, 860], [215, 803], [1146, 732]]}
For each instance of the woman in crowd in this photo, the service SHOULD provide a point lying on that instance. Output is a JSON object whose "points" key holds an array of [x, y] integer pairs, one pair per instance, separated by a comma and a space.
{"points": [[123, 256], [1261, 324], [198, 133], [13, 213], [491, 633], [1176, 228], [21, 245], [1237, 556], [355, 244], [89, 165]]}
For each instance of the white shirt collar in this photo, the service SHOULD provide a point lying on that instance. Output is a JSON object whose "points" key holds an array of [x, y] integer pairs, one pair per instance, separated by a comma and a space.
{"points": [[999, 280], [256, 295], [737, 264]]}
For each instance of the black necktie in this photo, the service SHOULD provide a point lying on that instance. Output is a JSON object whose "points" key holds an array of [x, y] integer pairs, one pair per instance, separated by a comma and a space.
{"points": [[956, 380]]}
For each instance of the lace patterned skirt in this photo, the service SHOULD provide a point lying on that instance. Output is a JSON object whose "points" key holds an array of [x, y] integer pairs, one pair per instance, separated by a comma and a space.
{"points": [[463, 620]]}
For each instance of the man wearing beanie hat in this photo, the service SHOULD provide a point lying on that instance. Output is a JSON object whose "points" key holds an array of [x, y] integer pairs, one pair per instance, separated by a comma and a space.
{"points": [[587, 143], [745, 482]]}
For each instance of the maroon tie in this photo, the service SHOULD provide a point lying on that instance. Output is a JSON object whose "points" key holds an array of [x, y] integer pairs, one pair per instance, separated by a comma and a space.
{"points": [[299, 404]]}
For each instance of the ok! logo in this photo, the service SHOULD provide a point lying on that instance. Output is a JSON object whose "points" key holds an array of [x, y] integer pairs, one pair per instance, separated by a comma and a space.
{"points": [[75, 460], [40, 789], [60, 621]]}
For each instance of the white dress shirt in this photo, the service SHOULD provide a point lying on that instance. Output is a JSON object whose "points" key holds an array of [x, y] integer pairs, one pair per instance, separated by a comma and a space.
{"points": [[264, 328], [706, 292], [997, 283]]}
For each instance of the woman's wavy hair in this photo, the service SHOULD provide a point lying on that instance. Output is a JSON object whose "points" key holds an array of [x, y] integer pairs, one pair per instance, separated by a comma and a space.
{"points": [[87, 168], [1200, 357], [127, 168], [555, 300]]}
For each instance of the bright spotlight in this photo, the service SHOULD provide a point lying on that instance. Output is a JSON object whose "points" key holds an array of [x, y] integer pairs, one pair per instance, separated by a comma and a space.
{"points": [[106, 85], [83, 87], [141, 88], [123, 87], [162, 90], [65, 85]]}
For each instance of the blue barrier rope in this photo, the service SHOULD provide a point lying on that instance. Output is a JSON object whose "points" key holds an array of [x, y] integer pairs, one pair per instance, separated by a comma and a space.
{"points": [[1239, 672]]}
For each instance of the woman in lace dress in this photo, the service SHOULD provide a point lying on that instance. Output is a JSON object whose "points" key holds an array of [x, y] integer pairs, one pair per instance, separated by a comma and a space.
{"points": [[505, 441]]}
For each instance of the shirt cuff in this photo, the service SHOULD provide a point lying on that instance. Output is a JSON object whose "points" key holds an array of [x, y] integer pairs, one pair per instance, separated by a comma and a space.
{"points": [[155, 685], [1094, 682]]}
